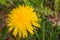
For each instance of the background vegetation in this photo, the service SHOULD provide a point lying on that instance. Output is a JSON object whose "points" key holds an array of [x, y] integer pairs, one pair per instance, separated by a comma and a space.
{"points": [[48, 10]]}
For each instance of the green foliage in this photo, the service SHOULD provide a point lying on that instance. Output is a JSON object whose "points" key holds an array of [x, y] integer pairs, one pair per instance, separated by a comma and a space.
{"points": [[3, 2], [57, 8], [43, 8], [48, 11], [3, 34]]}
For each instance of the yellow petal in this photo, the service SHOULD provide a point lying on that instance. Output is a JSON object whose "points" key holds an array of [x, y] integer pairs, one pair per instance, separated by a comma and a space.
{"points": [[36, 24], [15, 31], [24, 33], [34, 17], [30, 31], [10, 24], [10, 28], [20, 33]]}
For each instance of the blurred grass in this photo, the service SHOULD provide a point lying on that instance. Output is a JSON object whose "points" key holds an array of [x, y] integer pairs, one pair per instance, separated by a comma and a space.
{"points": [[44, 9]]}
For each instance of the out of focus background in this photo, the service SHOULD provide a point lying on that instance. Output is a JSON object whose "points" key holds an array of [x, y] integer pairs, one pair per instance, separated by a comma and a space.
{"points": [[48, 10]]}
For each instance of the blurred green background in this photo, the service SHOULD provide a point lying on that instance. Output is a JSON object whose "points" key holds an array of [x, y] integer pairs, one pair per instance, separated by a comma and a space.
{"points": [[48, 10]]}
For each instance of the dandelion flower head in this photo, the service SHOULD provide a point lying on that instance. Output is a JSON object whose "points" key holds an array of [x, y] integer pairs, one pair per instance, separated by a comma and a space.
{"points": [[21, 19]]}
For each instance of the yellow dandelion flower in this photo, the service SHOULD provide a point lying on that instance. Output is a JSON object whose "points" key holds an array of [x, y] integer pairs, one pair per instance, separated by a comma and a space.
{"points": [[20, 21]]}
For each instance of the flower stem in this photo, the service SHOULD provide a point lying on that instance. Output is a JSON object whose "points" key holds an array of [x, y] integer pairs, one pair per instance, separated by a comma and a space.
{"points": [[43, 29]]}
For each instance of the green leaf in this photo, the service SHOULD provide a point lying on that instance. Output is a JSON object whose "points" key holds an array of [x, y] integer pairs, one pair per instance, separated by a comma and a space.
{"points": [[4, 33], [56, 6], [47, 11], [27, 2], [11, 37], [58, 28], [29, 37], [37, 35], [3, 2]]}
